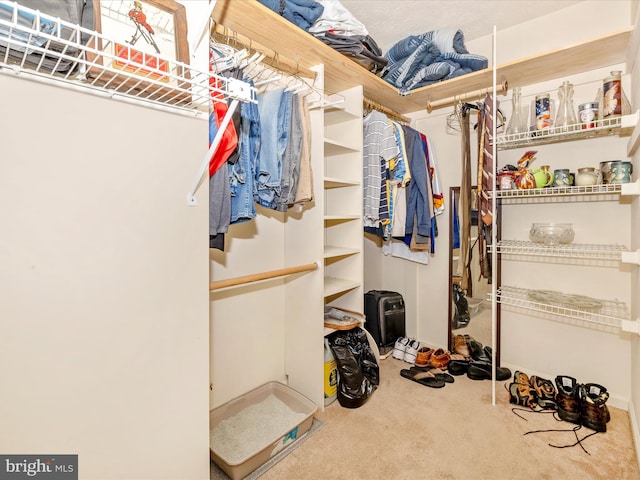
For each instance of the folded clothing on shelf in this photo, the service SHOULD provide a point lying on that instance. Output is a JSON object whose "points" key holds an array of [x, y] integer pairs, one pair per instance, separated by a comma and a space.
{"points": [[41, 51]]}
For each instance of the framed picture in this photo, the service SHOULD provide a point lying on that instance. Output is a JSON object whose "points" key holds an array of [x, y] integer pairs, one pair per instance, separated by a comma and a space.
{"points": [[144, 38]]}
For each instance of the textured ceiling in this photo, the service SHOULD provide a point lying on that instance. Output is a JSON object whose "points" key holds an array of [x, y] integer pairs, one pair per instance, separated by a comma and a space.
{"points": [[389, 21]]}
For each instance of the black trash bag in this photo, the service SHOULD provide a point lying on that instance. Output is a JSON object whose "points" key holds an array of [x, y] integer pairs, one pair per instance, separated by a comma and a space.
{"points": [[359, 374], [461, 317]]}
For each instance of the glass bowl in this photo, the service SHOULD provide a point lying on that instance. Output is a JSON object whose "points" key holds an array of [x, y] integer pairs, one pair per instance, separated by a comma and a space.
{"points": [[551, 233]]}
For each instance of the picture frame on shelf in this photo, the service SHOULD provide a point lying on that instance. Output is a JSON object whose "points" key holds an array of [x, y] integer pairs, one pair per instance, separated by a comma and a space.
{"points": [[144, 39]]}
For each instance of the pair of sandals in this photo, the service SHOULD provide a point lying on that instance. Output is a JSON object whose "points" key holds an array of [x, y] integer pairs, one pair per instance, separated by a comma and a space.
{"points": [[428, 376]]}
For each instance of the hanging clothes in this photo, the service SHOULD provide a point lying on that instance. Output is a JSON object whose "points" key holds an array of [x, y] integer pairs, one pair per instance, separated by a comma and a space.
{"points": [[275, 121], [242, 173], [464, 269], [486, 183], [304, 188], [419, 203], [379, 147]]}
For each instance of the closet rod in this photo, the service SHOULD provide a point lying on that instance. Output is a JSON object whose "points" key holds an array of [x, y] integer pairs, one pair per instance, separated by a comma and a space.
{"points": [[444, 102], [387, 111], [230, 282], [272, 57]]}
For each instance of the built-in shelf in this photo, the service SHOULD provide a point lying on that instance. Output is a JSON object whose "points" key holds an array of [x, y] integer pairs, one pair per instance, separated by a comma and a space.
{"points": [[335, 116], [252, 19], [332, 147], [334, 286], [611, 313], [573, 250], [333, 252], [341, 218], [621, 126], [331, 182]]}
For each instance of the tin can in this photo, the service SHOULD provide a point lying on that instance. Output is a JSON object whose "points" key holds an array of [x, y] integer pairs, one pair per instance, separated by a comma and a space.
{"points": [[612, 95], [543, 111], [588, 114]]}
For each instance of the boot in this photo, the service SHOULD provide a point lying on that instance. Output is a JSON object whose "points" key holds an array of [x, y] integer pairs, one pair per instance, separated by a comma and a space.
{"points": [[595, 413]]}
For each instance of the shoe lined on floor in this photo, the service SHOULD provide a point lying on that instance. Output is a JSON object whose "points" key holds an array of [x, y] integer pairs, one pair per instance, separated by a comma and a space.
{"points": [[593, 399], [481, 370], [477, 351], [440, 358], [436, 373], [458, 367], [460, 346], [567, 399], [425, 378], [411, 351], [399, 347], [521, 392], [423, 356], [545, 392]]}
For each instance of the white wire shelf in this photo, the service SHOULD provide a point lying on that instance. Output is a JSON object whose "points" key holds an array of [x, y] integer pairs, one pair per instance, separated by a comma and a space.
{"points": [[611, 313], [621, 126], [47, 49], [616, 188], [574, 250]]}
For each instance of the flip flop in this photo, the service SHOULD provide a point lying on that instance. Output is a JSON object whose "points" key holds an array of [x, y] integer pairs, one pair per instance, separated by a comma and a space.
{"points": [[436, 373], [423, 378]]}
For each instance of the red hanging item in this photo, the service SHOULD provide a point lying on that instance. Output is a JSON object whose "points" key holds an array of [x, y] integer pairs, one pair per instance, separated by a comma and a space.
{"points": [[229, 141]]}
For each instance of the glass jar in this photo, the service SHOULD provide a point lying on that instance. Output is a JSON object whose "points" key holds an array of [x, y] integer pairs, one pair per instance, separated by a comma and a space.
{"points": [[566, 114], [518, 121]]}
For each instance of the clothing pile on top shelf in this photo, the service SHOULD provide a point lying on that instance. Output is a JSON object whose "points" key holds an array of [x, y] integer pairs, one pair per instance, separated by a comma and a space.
{"points": [[401, 190], [415, 61], [421, 60], [58, 56], [333, 24], [264, 157]]}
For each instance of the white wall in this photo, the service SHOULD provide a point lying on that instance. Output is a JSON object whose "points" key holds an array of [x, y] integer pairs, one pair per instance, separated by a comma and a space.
{"points": [[541, 346], [104, 318], [635, 245]]}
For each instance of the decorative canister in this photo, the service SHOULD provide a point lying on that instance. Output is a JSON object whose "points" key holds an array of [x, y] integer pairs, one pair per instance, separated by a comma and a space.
{"points": [[543, 111], [506, 180], [563, 178], [616, 172], [588, 114], [612, 95], [586, 176]]}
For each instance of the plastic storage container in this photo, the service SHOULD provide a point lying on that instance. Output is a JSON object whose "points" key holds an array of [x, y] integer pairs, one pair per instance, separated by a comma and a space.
{"points": [[287, 435]]}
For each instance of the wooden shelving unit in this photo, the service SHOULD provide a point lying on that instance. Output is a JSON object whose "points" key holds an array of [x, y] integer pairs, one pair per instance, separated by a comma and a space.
{"points": [[252, 19]]}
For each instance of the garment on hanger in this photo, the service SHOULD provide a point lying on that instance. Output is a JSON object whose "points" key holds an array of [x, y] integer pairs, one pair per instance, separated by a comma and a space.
{"points": [[229, 141], [419, 203], [304, 188], [464, 270], [275, 120], [242, 173], [486, 182], [379, 147]]}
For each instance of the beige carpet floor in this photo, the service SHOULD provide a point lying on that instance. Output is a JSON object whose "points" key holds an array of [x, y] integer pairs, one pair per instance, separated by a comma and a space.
{"points": [[409, 431]]}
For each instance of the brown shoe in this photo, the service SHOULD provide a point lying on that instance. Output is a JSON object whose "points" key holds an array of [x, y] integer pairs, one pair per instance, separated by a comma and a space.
{"points": [[440, 358], [460, 346], [423, 356]]}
